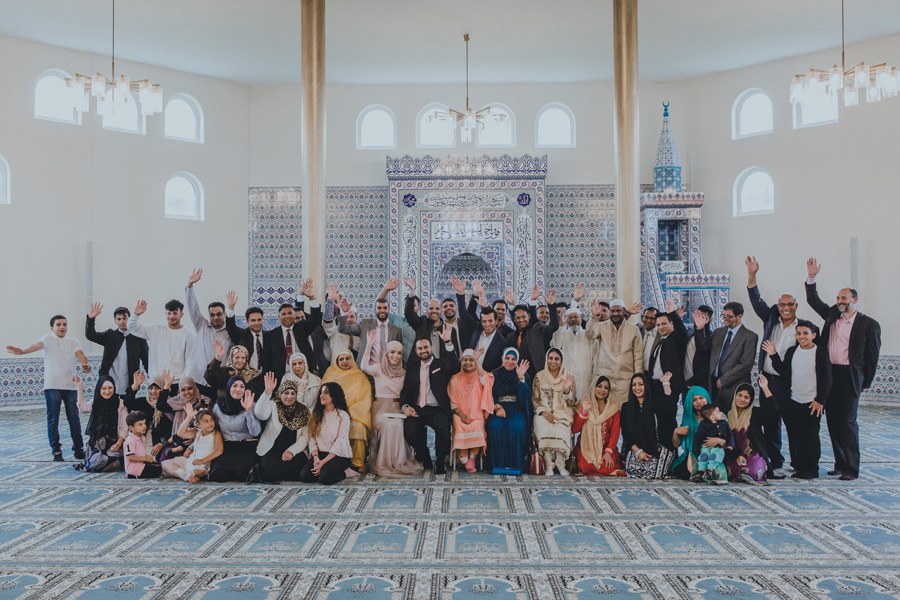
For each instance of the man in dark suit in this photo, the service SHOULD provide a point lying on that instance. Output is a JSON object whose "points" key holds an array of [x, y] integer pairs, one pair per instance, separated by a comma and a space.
{"points": [[487, 338], [123, 354], [733, 350], [500, 306], [854, 342], [425, 401], [696, 357], [666, 372], [292, 335], [532, 337], [250, 337], [780, 328]]}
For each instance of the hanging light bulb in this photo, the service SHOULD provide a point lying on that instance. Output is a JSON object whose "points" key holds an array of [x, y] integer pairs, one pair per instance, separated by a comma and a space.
{"points": [[873, 94], [892, 85], [835, 79], [851, 96], [797, 89], [861, 74], [98, 85]]}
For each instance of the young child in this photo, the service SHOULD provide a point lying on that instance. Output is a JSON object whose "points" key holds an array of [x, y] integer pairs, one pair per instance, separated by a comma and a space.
{"points": [[207, 446], [709, 459], [138, 464]]}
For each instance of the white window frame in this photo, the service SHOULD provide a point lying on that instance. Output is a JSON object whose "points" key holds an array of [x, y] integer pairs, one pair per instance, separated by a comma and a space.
{"points": [[738, 188], [76, 120], [738, 106], [142, 119], [512, 125], [198, 114], [198, 189], [426, 109], [362, 115], [7, 177], [798, 115], [537, 120]]}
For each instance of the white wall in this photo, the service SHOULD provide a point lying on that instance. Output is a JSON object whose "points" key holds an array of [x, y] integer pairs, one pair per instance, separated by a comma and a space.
{"points": [[275, 128], [832, 182], [73, 184]]}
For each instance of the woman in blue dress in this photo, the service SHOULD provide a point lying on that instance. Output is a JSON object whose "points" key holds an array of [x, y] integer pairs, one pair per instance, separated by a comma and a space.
{"points": [[509, 428]]}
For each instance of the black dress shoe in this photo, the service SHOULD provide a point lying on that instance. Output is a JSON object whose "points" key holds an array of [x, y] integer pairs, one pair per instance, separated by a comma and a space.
{"points": [[427, 464], [57, 457], [847, 477], [440, 469], [79, 455], [253, 476], [834, 472], [802, 475], [774, 475]]}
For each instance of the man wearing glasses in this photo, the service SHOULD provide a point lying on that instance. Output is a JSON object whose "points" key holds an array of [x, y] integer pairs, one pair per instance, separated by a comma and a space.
{"points": [[779, 327], [731, 360]]}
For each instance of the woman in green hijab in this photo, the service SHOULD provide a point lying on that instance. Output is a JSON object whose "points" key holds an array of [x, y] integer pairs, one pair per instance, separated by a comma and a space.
{"points": [[685, 462]]}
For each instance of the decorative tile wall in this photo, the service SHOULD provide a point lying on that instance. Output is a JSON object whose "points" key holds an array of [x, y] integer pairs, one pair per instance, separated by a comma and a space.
{"points": [[275, 246]]}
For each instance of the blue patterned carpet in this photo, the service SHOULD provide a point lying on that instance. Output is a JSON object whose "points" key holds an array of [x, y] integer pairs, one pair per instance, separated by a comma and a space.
{"points": [[66, 535]]}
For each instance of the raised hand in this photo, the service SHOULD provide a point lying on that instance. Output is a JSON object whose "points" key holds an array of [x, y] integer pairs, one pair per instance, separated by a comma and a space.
{"points": [[522, 369], [812, 268], [332, 290], [509, 297], [195, 277], [667, 377], [231, 299], [752, 265], [579, 292], [586, 404], [269, 378], [306, 289], [446, 332], [681, 311], [220, 350], [77, 381], [247, 401], [168, 380], [482, 299], [15, 350], [139, 378], [345, 305], [569, 383], [459, 286], [370, 337], [411, 285], [763, 383], [596, 309], [671, 305], [635, 309], [477, 287], [96, 309], [700, 319], [189, 411], [478, 353], [769, 348], [141, 307], [535, 292], [392, 284], [552, 295]]}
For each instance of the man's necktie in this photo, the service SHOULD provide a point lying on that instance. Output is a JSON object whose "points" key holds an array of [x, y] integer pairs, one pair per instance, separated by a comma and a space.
{"points": [[288, 347], [258, 348], [722, 355], [423, 385]]}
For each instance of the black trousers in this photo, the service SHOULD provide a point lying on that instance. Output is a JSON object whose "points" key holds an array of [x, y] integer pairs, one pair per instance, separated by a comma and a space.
{"points": [[235, 462], [840, 414], [150, 471], [416, 436], [803, 436], [771, 425], [332, 472], [272, 468], [666, 410]]}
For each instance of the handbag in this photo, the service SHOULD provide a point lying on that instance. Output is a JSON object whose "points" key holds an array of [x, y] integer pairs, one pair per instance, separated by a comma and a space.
{"points": [[537, 466], [572, 463]]}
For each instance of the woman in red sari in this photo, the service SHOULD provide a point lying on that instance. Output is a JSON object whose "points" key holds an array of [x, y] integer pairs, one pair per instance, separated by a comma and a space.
{"points": [[597, 420]]}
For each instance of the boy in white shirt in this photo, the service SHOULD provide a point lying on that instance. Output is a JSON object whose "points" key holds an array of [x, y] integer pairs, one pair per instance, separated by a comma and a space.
{"points": [[60, 356]]}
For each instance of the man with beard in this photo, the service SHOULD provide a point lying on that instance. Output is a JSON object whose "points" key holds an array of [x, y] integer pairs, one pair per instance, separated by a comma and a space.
{"points": [[620, 354], [207, 332], [578, 349], [429, 326], [532, 336]]}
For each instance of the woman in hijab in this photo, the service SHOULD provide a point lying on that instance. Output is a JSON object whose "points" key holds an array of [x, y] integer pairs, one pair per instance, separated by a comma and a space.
{"points": [[554, 398], [188, 393], [283, 443], [238, 363], [159, 425], [748, 461], [597, 420], [389, 454], [686, 463], [106, 428], [358, 393], [307, 382], [470, 403], [240, 429], [645, 456], [508, 429]]}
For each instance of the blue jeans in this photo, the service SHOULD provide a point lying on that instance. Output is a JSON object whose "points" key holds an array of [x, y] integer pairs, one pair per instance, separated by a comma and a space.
{"points": [[54, 399]]}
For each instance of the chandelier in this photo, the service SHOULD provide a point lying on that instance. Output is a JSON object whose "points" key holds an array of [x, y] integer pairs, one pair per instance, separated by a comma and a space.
{"points": [[114, 94], [470, 119], [875, 81]]}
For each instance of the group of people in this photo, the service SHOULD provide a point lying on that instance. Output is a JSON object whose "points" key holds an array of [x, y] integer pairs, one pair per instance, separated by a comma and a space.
{"points": [[537, 387]]}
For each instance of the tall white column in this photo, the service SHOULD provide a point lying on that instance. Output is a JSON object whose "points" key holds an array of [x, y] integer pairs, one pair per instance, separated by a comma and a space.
{"points": [[628, 209], [312, 110]]}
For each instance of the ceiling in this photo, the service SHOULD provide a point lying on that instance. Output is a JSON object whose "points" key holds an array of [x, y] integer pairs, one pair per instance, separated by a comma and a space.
{"points": [[420, 41]]}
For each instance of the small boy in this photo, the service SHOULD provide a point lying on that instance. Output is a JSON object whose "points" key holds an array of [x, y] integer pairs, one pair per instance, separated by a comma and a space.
{"points": [[138, 465], [709, 459], [807, 368]]}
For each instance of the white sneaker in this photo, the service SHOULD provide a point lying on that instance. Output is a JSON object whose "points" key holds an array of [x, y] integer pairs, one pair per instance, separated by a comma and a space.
{"points": [[563, 472]]}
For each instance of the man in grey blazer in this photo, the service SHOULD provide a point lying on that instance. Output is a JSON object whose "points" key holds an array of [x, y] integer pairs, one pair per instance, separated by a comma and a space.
{"points": [[385, 331], [733, 351]]}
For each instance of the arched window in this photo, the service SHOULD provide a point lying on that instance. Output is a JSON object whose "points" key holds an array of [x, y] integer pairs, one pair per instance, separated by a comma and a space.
{"points": [[4, 181], [754, 193], [435, 133], [125, 116], [751, 114], [554, 127], [184, 197], [184, 119], [54, 101], [376, 128], [816, 109], [496, 133]]}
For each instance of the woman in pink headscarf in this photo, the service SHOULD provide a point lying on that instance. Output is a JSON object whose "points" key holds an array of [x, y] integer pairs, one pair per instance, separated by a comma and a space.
{"points": [[471, 402]]}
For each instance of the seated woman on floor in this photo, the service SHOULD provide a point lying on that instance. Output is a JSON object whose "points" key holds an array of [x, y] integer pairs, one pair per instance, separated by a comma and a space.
{"points": [[329, 439], [240, 429], [645, 456], [685, 464], [358, 393], [307, 382], [159, 425], [174, 408], [749, 459], [508, 429], [106, 428], [217, 375], [282, 447], [597, 422]]}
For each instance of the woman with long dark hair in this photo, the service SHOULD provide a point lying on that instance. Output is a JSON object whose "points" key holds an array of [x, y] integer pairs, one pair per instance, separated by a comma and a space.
{"points": [[645, 455], [106, 428], [329, 438]]}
